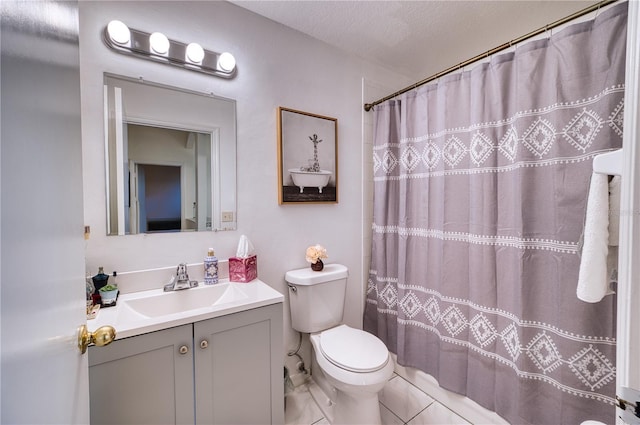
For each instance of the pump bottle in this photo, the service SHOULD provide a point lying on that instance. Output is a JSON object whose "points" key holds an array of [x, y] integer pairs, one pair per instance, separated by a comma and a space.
{"points": [[210, 268]]}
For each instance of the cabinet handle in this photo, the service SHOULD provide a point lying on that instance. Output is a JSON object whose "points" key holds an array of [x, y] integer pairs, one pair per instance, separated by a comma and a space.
{"points": [[184, 349], [204, 344]]}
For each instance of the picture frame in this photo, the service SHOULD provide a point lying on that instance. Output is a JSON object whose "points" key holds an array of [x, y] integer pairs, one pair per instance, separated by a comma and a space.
{"points": [[307, 157]]}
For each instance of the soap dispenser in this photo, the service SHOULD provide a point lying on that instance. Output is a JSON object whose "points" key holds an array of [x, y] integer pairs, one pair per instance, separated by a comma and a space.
{"points": [[210, 268]]}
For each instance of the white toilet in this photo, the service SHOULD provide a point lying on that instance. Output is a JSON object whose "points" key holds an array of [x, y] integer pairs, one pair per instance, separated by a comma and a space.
{"points": [[350, 365]]}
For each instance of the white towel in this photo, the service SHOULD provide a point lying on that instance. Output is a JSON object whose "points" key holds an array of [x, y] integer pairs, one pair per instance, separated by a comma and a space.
{"points": [[593, 278], [614, 211], [614, 231]]}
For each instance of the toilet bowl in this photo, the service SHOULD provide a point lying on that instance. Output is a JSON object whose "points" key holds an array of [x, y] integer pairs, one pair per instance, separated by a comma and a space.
{"points": [[357, 365], [350, 365]]}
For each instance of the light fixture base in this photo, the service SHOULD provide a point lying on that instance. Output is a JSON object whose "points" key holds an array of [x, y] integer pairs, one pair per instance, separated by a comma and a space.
{"points": [[139, 46]]}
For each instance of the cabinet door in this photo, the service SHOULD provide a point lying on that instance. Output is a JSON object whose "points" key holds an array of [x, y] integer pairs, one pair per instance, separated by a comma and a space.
{"points": [[143, 379], [239, 372]]}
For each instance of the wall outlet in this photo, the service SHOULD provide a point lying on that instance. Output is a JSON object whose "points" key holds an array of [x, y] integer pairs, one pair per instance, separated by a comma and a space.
{"points": [[227, 216]]}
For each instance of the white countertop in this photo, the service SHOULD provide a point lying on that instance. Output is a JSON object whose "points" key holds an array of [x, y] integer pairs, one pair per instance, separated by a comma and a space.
{"points": [[129, 322]]}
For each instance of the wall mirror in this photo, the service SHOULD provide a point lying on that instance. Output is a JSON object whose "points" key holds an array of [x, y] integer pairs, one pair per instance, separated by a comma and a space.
{"points": [[170, 159]]}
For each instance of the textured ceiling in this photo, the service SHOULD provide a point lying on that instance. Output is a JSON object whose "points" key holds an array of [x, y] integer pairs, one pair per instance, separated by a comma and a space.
{"points": [[419, 38]]}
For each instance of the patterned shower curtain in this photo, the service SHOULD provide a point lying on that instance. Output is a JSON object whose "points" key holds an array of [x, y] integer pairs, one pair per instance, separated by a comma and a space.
{"points": [[480, 191]]}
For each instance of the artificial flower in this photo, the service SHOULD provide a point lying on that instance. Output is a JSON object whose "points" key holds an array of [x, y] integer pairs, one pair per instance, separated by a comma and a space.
{"points": [[315, 253]]}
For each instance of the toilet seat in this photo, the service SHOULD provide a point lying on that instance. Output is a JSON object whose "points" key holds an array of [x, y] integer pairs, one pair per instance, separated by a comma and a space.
{"points": [[353, 349]]}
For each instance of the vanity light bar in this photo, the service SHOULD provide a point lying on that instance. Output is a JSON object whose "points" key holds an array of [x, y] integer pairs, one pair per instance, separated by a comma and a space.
{"points": [[157, 47]]}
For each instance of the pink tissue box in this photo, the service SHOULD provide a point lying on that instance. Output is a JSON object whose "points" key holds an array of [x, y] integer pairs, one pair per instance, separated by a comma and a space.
{"points": [[243, 269]]}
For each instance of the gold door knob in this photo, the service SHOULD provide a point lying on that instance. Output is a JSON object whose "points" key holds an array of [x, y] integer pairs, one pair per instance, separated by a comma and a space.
{"points": [[104, 335]]}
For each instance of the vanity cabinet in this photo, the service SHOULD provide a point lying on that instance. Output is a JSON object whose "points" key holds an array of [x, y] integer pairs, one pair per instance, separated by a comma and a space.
{"points": [[225, 370], [143, 379]]}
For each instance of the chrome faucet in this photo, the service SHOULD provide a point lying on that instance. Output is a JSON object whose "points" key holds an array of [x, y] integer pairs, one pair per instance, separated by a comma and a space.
{"points": [[180, 280]]}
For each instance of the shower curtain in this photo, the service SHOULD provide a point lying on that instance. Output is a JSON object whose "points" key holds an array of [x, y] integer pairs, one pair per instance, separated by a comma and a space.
{"points": [[480, 191]]}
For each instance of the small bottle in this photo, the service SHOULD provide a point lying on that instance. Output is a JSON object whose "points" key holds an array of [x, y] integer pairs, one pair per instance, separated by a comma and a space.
{"points": [[113, 279], [210, 268], [100, 279]]}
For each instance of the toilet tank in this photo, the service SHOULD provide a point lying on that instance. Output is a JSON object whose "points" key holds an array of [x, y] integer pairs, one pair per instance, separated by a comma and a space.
{"points": [[316, 299]]}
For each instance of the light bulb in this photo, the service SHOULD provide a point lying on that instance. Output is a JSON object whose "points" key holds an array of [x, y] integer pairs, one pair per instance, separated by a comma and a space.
{"points": [[226, 62], [195, 53], [118, 32], [159, 43]]}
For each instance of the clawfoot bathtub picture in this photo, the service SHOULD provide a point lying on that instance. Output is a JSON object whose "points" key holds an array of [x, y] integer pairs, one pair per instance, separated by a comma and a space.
{"points": [[307, 157]]}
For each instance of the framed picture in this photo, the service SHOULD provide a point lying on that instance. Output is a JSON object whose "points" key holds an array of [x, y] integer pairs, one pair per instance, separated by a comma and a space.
{"points": [[307, 157]]}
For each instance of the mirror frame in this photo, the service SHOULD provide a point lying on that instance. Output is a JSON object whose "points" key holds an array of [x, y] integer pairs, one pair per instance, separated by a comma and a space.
{"points": [[220, 211]]}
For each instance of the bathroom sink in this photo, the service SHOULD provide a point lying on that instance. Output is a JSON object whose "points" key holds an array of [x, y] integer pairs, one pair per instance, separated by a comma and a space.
{"points": [[141, 312], [168, 303]]}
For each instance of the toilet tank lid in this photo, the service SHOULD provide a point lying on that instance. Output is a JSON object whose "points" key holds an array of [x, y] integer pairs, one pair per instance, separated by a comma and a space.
{"points": [[307, 276]]}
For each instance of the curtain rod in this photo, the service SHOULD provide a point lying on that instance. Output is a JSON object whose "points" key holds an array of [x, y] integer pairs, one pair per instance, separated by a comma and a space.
{"points": [[369, 106]]}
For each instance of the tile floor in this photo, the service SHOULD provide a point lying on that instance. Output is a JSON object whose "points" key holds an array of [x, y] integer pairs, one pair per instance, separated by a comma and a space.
{"points": [[401, 403]]}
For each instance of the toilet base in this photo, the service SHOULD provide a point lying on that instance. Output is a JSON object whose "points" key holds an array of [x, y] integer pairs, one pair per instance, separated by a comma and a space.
{"points": [[346, 410], [362, 410], [322, 400], [338, 407]]}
